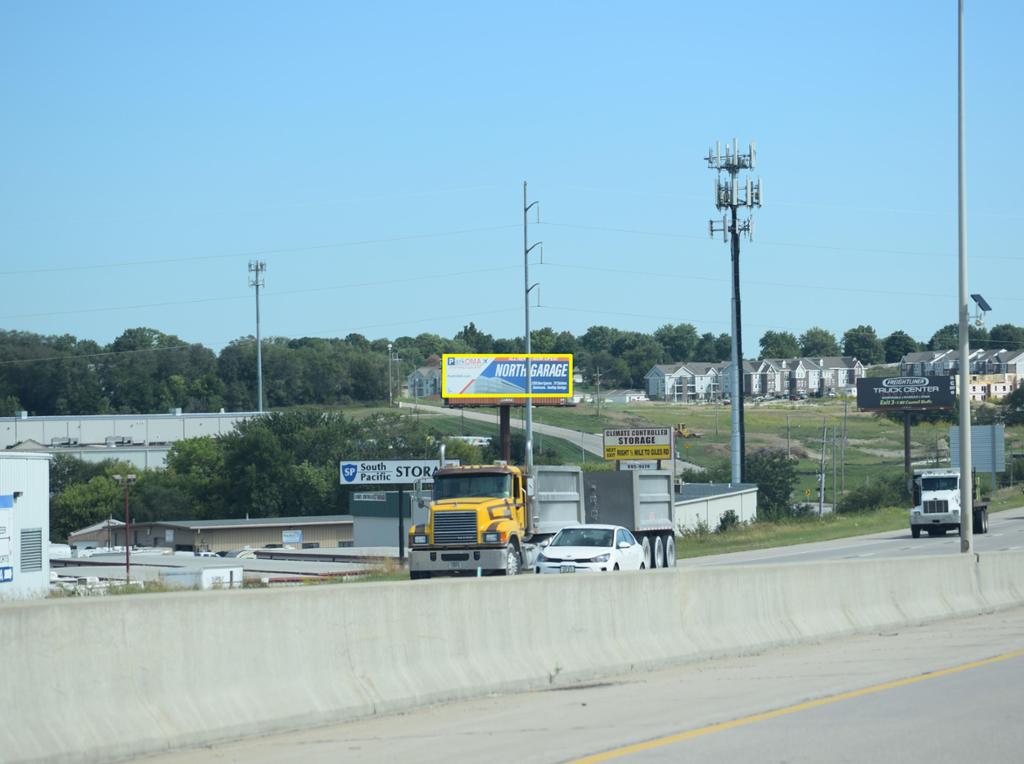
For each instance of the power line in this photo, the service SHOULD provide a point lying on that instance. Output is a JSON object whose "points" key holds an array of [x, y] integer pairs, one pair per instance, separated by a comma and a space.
{"points": [[280, 293], [256, 253], [829, 247]]}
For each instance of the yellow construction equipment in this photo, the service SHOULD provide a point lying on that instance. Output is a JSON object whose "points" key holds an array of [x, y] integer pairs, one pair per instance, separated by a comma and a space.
{"points": [[682, 431]]}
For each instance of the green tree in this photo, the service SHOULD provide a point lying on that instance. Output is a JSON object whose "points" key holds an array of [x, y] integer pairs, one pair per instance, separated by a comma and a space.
{"points": [[779, 345], [775, 475], [948, 337], [897, 345], [1013, 407], [862, 343], [1007, 336], [817, 342], [679, 341], [82, 504]]}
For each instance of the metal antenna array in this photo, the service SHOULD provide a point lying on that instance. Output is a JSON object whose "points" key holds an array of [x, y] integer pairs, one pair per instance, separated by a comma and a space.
{"points": [[256, 269], [730, 195]]}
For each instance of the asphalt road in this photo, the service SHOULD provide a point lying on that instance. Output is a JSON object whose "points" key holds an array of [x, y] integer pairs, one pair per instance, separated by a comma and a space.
{"points": [[944, 692], [1006, 531], [589, 442]]}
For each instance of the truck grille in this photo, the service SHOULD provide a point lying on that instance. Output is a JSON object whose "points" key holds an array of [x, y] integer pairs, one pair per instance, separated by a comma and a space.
{"points": [[455, 527], [936, 507]]}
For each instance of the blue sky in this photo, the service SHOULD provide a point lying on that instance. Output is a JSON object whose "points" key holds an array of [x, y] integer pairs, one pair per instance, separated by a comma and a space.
{"points": [[373, 155]]}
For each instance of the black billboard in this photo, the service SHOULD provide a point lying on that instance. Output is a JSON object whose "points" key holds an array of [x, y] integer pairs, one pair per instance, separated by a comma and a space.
{"points": [[900, 393]]}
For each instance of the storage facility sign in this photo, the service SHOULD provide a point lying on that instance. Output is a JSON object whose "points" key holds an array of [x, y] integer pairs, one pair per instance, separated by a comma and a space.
{"points": [[898, 393], [390, 470], [504, 376], [638, 443], [291, 537]]}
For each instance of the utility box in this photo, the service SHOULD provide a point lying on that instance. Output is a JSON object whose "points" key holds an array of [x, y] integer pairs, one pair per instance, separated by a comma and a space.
{"points": [[24, 525]]}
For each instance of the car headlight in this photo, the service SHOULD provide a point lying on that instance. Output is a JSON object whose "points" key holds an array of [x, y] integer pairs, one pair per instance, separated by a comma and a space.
{"points": [[419, 539], [601, 557], [492, 537]]}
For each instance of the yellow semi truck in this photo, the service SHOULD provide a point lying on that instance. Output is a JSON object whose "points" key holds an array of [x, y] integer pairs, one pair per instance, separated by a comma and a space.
{"points": [[491, 519]]}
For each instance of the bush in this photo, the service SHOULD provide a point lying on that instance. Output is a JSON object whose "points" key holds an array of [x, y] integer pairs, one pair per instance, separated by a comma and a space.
{"points": [[890, 491], [726, 521]]}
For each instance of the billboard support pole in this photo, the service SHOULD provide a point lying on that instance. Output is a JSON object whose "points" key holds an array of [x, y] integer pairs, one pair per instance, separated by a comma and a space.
{"points": [[908, 474], [505, 431], [401, 524]]}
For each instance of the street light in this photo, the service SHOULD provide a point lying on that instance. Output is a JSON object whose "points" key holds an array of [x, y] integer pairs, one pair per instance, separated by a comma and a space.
{"points": [[390, 388], [126, 481]]}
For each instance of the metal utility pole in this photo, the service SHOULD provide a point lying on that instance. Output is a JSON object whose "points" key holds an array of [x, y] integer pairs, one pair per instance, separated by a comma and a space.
{"points": [[597, 377], [126, 481], [966, 482], [256, 269], [390, 385], [727, 197], [527, 288], [821, 472]]}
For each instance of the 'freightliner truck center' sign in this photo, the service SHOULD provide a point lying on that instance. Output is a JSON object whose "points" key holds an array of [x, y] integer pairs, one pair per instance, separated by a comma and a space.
{"points": [[899, 393], [504, 376], [638, 443]]}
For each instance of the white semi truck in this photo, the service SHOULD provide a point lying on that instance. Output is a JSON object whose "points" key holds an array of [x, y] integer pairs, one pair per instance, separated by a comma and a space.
{"points": [[937, 504]]}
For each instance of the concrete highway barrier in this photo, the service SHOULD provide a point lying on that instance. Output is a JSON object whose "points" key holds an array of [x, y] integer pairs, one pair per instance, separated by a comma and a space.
{"points": [[100, 679]]}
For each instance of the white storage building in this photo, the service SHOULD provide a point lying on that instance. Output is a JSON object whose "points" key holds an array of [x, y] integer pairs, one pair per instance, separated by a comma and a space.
{"points": [[24, 525]]}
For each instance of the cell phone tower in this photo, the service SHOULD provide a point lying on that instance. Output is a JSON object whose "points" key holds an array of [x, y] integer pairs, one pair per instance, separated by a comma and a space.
{"points": [[730, 195]]}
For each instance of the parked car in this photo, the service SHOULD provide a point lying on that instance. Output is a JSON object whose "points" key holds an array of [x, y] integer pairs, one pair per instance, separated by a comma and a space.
{"points": [[590, 549]]}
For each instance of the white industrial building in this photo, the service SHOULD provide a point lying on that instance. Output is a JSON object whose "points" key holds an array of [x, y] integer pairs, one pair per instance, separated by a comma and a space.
{"points": [[24, 525], [706, 503], [142, 440]]}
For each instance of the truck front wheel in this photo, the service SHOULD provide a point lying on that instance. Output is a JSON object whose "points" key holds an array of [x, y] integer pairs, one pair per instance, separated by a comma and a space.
{"points": [[915, 531], [512, 561], [418, 574]]}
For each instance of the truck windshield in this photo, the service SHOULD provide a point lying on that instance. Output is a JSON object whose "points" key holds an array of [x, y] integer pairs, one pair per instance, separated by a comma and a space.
{"points": [[466, 486], [583, 537], [939, 483]]}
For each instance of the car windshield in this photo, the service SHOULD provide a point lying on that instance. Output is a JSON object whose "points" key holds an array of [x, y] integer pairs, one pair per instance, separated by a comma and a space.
{"points": [[469, 485], [583, 537], [939, 483]]}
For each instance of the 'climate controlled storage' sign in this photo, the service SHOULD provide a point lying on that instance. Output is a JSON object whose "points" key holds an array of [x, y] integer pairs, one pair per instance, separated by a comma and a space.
{"points": [[504, 376], [390, 471], [638, 443], [898, 393]]}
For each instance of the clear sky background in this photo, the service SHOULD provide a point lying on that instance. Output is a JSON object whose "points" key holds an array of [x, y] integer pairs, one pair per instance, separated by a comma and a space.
{"points": [[373, 155]]}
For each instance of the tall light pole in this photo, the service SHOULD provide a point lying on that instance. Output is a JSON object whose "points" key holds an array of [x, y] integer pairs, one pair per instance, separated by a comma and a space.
{"points": [[527, 288], [256, 269], [390, 386], [966, 482], [126, 481], [728, 197]]}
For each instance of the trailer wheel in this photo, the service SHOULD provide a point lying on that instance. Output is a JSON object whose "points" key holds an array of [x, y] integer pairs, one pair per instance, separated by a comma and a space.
{"points": [[670, 550], [645, 544], [981, 521], [512, 562], [659, 553], [418, 574], [915, 531]]}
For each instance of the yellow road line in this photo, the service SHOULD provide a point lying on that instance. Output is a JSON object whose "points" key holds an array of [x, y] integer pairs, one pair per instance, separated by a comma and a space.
{"points": [[723, 726]]}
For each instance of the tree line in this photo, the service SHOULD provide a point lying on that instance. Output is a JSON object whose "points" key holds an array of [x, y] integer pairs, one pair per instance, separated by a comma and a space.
{"points": [[147, 371]]}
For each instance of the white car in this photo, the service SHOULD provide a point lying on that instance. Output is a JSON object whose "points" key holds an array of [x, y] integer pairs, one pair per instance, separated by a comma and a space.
{"points": [[590, 549]]}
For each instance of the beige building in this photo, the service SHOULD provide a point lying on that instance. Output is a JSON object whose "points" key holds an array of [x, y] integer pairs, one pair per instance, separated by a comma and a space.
{"points": [[313, 532], [990, 387]]}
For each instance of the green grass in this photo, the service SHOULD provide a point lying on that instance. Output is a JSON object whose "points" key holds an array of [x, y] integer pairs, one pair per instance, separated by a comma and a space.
{"points": [[788, 532]]}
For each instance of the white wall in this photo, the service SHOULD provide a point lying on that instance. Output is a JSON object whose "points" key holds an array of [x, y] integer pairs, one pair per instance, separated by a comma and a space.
{"points": [[26, 479], [711, 509]]}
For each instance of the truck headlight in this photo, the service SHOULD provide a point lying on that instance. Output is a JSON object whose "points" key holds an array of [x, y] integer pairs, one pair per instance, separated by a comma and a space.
{"points": [[419, 539], [492, 537], [956, 512], [916, 512]]}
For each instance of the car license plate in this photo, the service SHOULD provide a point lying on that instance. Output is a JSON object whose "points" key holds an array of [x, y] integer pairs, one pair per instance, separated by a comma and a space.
{"points": [[568, 569]]}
